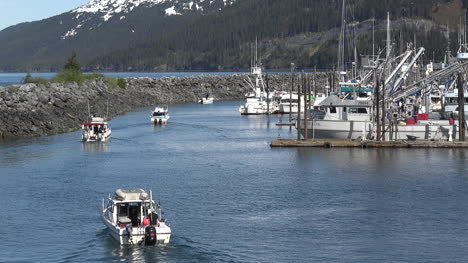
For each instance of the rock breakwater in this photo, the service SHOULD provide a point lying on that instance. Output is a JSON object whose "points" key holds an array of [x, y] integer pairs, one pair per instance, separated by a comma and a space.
{"points": [[31, 110]]}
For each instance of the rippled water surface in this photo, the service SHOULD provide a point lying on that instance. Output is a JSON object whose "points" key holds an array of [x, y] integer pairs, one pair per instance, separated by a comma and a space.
{"points": [[231, 198]]}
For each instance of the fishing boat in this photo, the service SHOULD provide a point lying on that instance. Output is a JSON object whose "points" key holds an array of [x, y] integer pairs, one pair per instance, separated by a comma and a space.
{"points": [[451, 103], [160, 115], [126, 214], [352, 119], [97, 130], [258, 101]]}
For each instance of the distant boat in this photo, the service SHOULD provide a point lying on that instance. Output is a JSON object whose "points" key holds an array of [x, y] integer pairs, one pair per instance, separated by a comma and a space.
{"points": [[259, 101], [206, 100], [160, 115], [126, 214], [96, 131]]}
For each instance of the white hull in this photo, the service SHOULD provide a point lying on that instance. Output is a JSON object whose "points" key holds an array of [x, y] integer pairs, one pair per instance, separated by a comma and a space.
{"points": [[97, 138], [206, 101], [120, 234], [286, 108], [258, 108], [359, 129], [160, 120]]}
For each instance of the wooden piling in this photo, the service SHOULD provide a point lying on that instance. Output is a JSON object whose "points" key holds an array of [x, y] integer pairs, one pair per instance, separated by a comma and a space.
{"points": [[306, 106], [377, 106], [461, 108], [290, 95], [300, 87], [268, 94]]}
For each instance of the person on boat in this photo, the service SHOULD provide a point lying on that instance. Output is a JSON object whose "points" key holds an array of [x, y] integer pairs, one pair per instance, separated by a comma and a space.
{"points": [[153, 217]]}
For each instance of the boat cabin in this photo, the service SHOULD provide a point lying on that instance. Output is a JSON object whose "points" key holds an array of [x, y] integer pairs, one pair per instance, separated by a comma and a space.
{"points": [[128, 207], [97, 125], [451, 102], [159, 114], [346, 110]]}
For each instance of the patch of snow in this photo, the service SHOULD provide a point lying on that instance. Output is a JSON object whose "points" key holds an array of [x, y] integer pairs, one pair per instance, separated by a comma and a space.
{"points": [[109, 8], [106, 9], [171, 11], [70, 33]]}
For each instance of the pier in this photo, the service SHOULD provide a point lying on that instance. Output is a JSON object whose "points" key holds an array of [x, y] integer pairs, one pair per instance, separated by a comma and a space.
{"points": [[343, 143]]}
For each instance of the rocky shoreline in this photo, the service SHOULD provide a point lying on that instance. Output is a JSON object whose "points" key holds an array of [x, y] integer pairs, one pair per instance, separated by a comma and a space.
{"points": [[31, 110]]}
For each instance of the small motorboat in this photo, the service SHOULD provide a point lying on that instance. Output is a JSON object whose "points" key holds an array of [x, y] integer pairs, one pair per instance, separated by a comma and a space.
{"points": [[160, 115], [126, 216], [207, 100], [97, 130]]}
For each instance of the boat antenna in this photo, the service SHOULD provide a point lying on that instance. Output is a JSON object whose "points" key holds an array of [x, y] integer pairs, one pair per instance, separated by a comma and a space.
{"points": [[151, 198], [107, 110]]}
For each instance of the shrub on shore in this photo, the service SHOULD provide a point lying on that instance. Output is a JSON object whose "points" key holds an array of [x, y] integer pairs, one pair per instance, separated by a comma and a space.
{"points": [[71, 72], [30, 79]]}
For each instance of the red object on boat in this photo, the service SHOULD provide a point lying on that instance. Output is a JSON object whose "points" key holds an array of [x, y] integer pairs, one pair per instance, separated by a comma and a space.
{"points": [[423, 116], [90, 124], [410, 121]]}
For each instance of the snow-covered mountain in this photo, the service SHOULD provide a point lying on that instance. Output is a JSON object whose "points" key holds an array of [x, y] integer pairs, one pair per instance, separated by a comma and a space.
{"points": [[97, 28], [96, 12]]}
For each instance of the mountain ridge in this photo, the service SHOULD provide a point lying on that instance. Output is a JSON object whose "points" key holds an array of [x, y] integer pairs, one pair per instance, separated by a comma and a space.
{"points": [[195, 34]]}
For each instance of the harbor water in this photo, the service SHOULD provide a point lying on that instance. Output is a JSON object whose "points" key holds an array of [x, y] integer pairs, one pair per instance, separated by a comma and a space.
{"points": [[229, 197]]}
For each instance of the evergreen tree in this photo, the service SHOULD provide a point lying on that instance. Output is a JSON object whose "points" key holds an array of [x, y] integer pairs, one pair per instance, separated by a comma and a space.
{"points": [[72, 63]]}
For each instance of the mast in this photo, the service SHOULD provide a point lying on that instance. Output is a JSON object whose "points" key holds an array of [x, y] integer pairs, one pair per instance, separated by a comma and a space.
{"points": [[373, 41], [388, 36], [342, 40]]}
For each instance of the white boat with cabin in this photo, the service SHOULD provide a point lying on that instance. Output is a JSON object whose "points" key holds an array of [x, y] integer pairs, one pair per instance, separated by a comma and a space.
{"points": [[352, 119], [451, 103], [160, 115], [206, 100], [97, 130], [124, 216], [259, 101]]}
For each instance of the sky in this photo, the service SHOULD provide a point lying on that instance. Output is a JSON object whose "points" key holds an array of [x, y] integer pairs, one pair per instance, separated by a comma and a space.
{"points": [[13, 12]]}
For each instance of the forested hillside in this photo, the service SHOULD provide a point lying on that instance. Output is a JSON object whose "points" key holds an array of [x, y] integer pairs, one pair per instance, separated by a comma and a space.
{"points": [[300, 31]]}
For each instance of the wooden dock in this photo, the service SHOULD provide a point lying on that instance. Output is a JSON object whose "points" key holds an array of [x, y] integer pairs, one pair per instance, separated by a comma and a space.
{"points": [[343, 143]]}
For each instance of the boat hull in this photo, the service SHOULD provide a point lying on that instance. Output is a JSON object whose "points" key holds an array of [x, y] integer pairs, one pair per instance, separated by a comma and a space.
{"points": [[206, 101], [285, 108], [159, 120], [137, 237], [326, 129], [257, 110], [97, 138]]}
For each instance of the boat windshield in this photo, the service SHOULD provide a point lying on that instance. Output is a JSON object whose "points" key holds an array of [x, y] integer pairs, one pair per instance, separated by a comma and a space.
{"points": [[158, 114]]}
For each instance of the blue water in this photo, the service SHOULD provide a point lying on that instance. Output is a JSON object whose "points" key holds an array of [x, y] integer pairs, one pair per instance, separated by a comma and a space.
{"points": [[16, 78], [231, 198]]}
